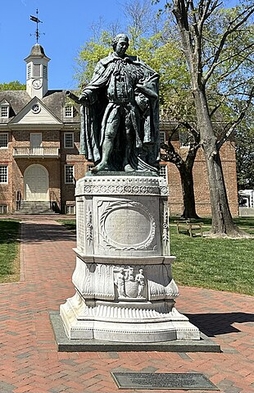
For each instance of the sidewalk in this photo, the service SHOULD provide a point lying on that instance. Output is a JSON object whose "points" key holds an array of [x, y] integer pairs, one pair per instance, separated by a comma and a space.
{"points": [[30, 361]]}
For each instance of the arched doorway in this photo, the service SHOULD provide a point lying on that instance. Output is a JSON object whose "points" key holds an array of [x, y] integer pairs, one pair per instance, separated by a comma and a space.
{"points": [[36, 183]]}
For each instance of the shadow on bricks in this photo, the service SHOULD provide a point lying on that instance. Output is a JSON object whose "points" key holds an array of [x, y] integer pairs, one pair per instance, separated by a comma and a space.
{"points": [[219, 323], [47, 232]]}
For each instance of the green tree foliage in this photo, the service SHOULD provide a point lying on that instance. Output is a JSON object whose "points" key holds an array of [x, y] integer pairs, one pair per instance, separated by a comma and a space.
{"points": [[220, 65], [15, 85], [90, 54], [206, 66], [164, 57]]}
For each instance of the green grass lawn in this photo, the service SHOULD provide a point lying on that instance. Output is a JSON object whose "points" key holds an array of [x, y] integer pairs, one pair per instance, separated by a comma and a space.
{"points": [[9, 250], [222, 264]]}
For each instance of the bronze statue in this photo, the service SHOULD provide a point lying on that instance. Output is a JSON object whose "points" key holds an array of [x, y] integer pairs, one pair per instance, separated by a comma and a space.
{"points": [[121, 118]]}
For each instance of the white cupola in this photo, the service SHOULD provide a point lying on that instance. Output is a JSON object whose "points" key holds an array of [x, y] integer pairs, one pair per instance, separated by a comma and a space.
{"points": [[37, 72]]}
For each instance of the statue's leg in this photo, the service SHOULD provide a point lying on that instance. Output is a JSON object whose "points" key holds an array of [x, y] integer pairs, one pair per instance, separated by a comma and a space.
{"points": [[129, 143], [110, 134]]}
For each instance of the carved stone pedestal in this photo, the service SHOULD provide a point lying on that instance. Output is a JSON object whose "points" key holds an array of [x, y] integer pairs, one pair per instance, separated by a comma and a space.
{"points": [[124, 286]]}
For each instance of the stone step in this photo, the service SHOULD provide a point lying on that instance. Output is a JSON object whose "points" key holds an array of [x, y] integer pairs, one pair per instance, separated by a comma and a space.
{"points": [[35, 207]]}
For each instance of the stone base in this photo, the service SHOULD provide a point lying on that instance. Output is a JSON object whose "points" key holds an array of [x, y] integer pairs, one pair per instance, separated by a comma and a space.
{"points": [[125, 291], [64, 344], [125, 322]]}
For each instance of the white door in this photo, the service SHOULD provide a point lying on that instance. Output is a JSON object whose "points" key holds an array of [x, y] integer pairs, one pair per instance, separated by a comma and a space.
{"points": [[36, 181]]}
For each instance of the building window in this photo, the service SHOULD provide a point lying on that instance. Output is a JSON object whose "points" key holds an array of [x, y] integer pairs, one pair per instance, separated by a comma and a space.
{"points": [[3, 140], [70, 209], [4, 110], [162, 137], [163, 171], [3, 209], [4, 174], [185, 138], [68, 140], [69, 174], [68, 110]]}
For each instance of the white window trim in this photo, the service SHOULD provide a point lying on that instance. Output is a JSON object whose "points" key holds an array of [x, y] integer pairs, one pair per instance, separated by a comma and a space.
{"points": [[7, 139], [163, 171], [71, 108], [4, 182], [185, 142], [65, 180], [3, 209], [7, 106], [162, 136], [70, 208], [65, 135]]}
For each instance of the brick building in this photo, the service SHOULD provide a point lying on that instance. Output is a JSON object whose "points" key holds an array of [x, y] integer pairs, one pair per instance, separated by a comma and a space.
{"points": [[201, 186], [39, 150]]}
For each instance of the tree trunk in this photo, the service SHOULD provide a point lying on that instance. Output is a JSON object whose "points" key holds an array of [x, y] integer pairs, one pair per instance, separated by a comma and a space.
{"points": [[188, 192], [191, 18], [185, 169], [222, 222]]}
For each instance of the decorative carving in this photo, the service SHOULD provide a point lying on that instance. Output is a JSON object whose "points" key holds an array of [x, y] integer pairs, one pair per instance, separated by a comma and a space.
{"points": [[137, 185], [130, 206], [140, 278], [165, 227], [80, 224], [120, 283], [89, 225], [133, 312], [128, 284], [172, 290]]}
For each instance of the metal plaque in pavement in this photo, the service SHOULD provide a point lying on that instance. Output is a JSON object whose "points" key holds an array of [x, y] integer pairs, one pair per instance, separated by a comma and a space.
{"points": [[152, 381]]}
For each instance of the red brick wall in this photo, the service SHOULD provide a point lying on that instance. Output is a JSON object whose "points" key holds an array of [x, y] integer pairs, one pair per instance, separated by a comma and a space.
{"points": [[64, 193], [202, 195], [6, 189], [71, 157]]}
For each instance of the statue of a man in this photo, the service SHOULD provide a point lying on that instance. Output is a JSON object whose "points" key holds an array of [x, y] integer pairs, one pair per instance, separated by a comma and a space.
{"points": [[121, 113]]}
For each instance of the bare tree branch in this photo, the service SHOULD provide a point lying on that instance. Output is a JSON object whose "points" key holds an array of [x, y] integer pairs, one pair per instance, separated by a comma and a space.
{"points": [[205, 11], [237, 120], [232, 27]]}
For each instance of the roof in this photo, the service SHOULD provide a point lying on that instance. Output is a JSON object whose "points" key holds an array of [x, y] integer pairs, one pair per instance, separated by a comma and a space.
{"points": [[37, 51], [54, 100]]}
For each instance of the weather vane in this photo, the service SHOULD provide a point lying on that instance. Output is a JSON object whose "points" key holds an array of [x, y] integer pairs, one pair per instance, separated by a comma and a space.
{"points": [[37, 21]]}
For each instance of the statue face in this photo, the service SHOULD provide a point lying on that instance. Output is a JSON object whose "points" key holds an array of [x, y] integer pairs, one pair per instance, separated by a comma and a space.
{"points": [[121, 47]]}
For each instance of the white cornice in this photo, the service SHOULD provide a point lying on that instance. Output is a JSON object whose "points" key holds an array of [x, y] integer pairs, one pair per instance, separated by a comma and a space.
{"points": [[35, 127]]}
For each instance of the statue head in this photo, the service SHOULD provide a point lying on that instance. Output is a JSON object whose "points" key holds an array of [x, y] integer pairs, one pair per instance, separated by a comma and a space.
{"points": [[120, 38]]}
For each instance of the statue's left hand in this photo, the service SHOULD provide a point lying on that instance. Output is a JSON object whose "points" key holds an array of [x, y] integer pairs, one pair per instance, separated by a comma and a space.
{"points": [[145, 90]]}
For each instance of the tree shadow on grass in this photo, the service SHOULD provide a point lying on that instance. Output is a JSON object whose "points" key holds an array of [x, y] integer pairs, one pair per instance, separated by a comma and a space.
{"points": [[221, 323]]}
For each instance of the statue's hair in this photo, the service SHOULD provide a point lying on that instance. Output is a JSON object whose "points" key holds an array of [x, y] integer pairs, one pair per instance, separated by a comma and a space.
{"points": [[117, 38]]}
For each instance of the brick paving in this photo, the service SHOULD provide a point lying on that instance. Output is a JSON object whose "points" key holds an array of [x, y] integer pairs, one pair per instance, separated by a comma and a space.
{"points": [[29, 358]]}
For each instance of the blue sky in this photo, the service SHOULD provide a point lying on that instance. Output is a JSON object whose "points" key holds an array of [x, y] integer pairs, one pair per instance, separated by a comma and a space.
{"points": [[66, 27]]}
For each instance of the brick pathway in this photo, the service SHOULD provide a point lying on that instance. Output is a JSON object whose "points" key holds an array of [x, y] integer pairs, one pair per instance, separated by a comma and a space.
{"points": [[31, 363]]}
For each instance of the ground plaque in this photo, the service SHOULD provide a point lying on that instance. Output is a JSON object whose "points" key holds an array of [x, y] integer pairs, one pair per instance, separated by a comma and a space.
{"points": [[152, 381]]}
